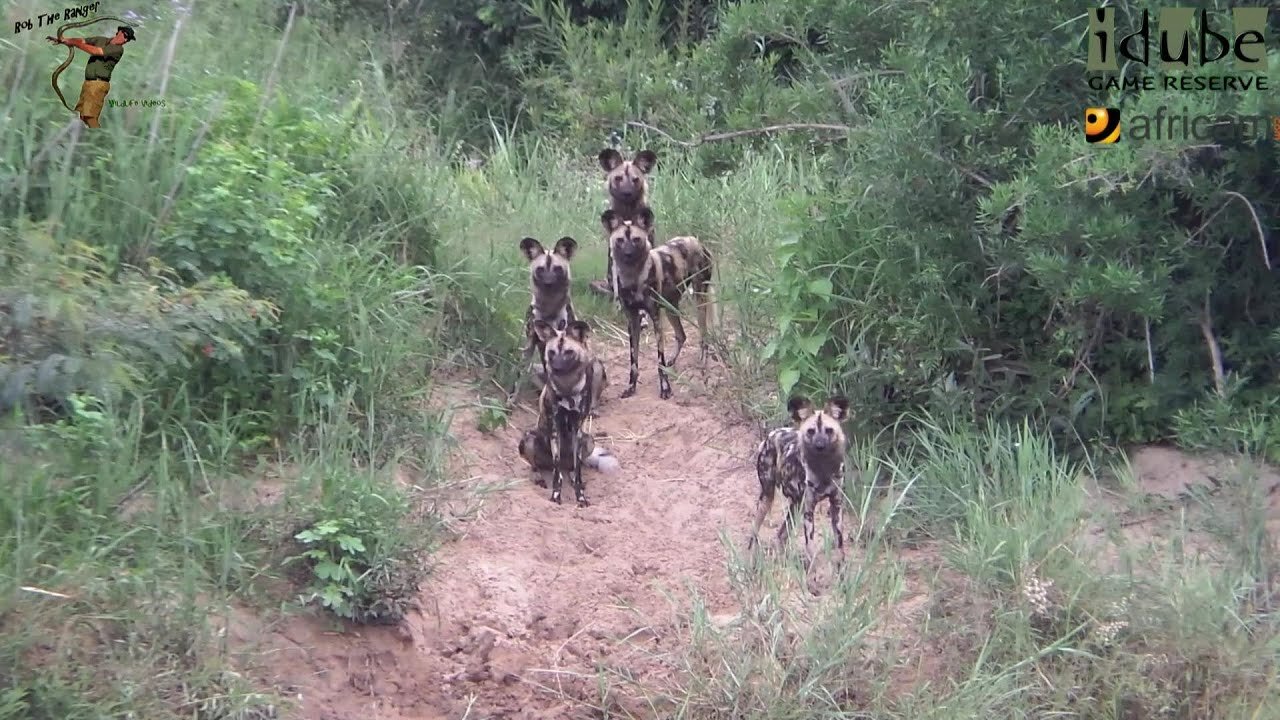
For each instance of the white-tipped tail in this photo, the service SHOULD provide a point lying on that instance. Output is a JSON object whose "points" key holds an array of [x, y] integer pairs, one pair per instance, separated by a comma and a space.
{"points": [[603, 460]]}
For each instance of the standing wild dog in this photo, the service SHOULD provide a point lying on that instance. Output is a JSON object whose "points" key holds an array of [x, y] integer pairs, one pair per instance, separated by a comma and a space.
{"points": [[627, 184], [574, 382], [807, 462], [549, 279], [646, 278]]}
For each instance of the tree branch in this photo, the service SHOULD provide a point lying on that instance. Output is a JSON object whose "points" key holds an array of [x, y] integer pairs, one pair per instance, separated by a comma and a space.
{"points": [[1151, 355], [831, 127], [1215, 352], [1084, 353], [715, 137], [1262, 236], [972, 175]]}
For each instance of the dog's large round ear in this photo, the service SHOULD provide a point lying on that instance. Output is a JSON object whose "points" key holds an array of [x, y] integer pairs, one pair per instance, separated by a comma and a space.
{"points": [[566, 247], [531, 248], [578, 330], [644, 218], [646, 161], [544, 330], [609, 159], [799, 407], [610, 220], [838, 407]]}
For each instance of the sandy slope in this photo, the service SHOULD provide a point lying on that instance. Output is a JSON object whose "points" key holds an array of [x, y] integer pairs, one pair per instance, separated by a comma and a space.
{"points": [[530, 596]]}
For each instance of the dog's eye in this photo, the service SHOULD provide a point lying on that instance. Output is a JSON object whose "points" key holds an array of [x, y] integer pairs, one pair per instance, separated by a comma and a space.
{"points": [[809, 432]]}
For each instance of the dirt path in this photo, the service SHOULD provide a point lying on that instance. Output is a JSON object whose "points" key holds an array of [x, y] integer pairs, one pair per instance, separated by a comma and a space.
{"points": [[531, 597]]}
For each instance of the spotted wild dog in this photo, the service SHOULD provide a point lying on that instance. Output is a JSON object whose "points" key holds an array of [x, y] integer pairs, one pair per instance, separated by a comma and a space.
{"points": [[806, 461], [627, 184], [549, 280], [646, 278], [574, 382], [535, 448]]}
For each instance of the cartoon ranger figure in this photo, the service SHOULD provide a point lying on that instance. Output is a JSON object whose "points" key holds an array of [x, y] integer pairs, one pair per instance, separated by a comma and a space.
{"points": [[104, 54]]}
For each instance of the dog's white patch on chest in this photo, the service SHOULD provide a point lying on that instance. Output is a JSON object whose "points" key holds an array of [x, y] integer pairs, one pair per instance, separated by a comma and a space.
{"points": [[572, 400]]}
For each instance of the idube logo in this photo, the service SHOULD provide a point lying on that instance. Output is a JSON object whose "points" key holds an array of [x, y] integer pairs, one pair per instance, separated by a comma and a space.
{"points": [[1174, 44]]}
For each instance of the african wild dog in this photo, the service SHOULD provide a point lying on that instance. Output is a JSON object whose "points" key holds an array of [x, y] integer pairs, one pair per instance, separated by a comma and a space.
{"points": [[646, 278], [574, 382], [627, 184], [806, 460], [536, 450], [549, 279]]}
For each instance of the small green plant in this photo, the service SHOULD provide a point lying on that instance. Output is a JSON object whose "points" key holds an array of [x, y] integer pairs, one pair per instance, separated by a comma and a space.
{"points": [[491, 417], [802, 333], [340, 561], [1230, 424]]}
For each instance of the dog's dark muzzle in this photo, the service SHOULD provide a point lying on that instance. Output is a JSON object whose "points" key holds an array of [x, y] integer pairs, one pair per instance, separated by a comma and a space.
{"points": [[627, 195], [561, 365]]}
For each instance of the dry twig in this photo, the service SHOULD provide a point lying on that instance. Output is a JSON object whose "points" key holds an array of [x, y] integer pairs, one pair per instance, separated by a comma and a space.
{"points": [[1257, 224], [1215, 351]]}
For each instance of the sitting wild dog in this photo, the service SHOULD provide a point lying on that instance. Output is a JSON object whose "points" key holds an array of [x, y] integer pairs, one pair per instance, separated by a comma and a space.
{"points": [[535, 448], [626, 182], [574, 383], [549, 279], [646, 278], [806, 460]]}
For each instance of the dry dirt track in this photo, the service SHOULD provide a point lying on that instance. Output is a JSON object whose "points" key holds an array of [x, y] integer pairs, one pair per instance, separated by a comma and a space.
{"points": [[529, 598]]}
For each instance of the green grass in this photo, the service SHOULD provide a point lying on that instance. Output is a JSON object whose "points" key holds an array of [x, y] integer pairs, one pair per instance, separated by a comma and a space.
{"points": [[953, 626], [136, 517]]}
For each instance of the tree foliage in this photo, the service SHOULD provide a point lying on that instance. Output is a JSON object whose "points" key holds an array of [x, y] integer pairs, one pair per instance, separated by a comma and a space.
{"points": [[971, 251]]}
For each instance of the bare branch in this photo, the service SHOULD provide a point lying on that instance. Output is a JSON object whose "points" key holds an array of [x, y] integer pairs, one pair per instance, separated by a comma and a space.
{"points": [[1084, 354], [1262, 236], [971, 174], [715, 137], [1215, 352], [830, 127], [1151, 355]]}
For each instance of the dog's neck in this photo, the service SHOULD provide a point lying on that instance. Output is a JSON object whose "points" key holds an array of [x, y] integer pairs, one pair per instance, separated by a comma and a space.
{"points": [[571, 390], [824, 466], [633, 275], [629, 208], [550, 304]]}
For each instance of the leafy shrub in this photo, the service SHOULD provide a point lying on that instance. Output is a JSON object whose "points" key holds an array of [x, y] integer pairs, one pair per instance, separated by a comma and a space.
{"points": [[363, 562], [69, 327], [988, 261]]}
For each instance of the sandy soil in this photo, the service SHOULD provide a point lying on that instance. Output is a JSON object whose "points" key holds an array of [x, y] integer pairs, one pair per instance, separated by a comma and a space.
{"points": [[531, 597]]}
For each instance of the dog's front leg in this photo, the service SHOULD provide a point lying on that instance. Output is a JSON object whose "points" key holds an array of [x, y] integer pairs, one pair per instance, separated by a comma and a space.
{"points": [[633, 337], [664, 383], [837, 525], [562, 446], [579, 490], [810, 503]]}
